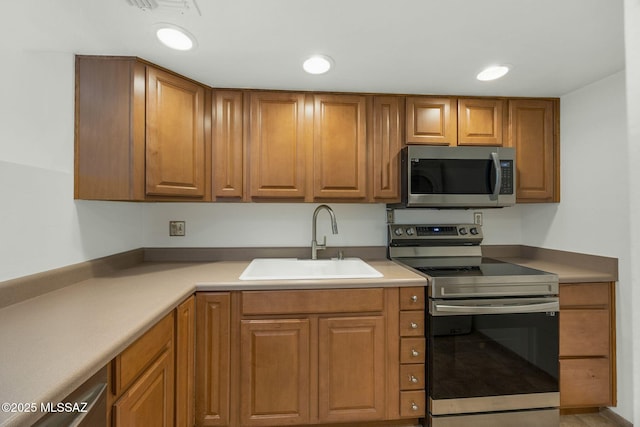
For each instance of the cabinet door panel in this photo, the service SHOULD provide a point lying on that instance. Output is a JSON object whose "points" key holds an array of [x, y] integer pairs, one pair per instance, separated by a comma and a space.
{"points": [[584, 332], [277, 144], [212, 359], [585, 382], [531, 124], [175, 136], [340, 158], [149, 401], [274, 372], [352, 369], [431, 121], [386, 143], [228, 153], [480, 121], [185, 349]]}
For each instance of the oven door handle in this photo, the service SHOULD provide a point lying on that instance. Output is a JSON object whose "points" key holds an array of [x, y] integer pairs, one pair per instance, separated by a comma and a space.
{"points": [[537, 307]]}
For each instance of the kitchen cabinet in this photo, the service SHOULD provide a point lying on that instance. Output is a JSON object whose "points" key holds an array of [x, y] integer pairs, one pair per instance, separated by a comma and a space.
{"points": [[533, 132], [412, 356], [142, 133], [339, 147], [228, 144], [481, 121], [385, 144], [278, 143], [213, 345], [185, 360], [431, 120], [587, 343], [142, 384], [306, 357]]}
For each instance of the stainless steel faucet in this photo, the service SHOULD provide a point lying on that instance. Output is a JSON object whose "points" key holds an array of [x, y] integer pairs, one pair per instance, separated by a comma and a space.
{"points": [[315, 246]]}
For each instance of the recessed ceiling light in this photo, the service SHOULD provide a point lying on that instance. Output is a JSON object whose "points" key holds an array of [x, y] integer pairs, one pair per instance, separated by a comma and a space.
{"points": [[317, 64], [493, 72], [175, 37]]}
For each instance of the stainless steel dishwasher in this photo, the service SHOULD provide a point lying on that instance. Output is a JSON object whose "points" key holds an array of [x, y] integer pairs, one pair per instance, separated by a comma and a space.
{"points": [[84, 407]]}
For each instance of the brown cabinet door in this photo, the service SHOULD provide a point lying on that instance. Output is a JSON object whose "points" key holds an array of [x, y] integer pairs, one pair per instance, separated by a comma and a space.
{"points": [[175, 136], [277, 145], [386, 137], [212, 359], [274, 372], [585, 383], [480, 121], [228, 151], [431, 120], [340, 146], [532, 133], [584, 332], [185, 358], [149, 401], [351, 366]]}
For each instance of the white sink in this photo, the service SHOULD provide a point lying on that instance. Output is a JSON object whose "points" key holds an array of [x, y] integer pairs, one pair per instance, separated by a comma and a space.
{"points": [[293, 269]]}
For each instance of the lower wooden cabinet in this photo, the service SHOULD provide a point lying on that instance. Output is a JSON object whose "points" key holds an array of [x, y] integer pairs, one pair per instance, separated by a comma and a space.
{"points": [[151, 381], [304, 357], [587, 342]]}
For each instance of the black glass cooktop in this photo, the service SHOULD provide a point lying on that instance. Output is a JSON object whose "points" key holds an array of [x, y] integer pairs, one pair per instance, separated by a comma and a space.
{"points": [[485, 267]]}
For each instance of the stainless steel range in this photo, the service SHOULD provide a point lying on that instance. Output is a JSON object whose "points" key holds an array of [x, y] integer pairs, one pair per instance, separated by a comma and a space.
{"points": [[492, 330]]}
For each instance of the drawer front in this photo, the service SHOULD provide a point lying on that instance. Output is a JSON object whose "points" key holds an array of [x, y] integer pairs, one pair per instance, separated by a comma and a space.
{"points": [[584, 295], [412, 377], [130, 364], [412, 404], [412, 323], [585, 382], [412, 298], [312, 301], [412, 350], [584, 332]]}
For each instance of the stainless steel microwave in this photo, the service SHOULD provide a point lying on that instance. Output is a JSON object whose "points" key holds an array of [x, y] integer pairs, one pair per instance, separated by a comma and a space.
{"points": [[458, 177]]}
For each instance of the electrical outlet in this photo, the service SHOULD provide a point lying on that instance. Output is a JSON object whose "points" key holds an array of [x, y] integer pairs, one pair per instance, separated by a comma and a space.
{"points": [[477, 218], [176, 228]]}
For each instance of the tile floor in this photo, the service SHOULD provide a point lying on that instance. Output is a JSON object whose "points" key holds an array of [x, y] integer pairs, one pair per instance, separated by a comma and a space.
{"points": [[587, 420]]}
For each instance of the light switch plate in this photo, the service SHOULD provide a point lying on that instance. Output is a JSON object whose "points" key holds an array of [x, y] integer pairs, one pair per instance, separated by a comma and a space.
{"points": [[177, 228]]}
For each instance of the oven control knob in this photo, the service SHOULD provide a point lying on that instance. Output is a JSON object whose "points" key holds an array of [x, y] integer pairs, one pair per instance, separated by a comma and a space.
{"points": [[398, 231], [463, 231], [410, 231], [474, 231]]}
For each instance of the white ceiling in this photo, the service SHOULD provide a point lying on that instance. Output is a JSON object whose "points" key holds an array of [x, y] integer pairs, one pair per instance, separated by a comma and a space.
{"points": [[394, 46]]}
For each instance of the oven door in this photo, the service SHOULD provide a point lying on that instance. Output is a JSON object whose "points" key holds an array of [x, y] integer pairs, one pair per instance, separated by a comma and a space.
{"points": [[495, 358]]}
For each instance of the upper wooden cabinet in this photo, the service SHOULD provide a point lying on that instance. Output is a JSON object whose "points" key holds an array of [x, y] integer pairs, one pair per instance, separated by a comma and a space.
{"points": [[278, 141], [141, 132], [431, 120], [481, 121], [228, 148], [533, 125], [339, 147], [385, 143]]}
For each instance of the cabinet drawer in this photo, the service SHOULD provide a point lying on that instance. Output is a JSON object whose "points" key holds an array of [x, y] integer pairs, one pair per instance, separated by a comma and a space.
{"points": [[142, 353], [412, 298], [412, 350], [412, 377], [585, 382], [312, 301], [412, 323], [584, 295], [412, 404], [584, 332]]}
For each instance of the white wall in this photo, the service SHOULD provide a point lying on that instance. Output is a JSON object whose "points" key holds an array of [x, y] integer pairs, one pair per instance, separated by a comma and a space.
{"points": [[632, 47], [42, 226], [593, 216]]}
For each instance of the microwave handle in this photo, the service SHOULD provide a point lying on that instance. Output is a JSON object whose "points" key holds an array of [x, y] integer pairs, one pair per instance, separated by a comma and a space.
{"points": [[498, 169]]}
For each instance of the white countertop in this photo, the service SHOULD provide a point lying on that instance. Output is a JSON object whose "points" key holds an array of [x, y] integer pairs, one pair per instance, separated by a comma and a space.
{"points": [[52, 343]]}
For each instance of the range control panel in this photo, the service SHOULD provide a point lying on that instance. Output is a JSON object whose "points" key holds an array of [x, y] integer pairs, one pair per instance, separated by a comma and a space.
{"points": [[417, 233]]}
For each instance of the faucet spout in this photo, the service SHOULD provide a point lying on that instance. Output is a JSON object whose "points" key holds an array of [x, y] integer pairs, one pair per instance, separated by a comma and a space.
{"points": [[315, 246]]}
